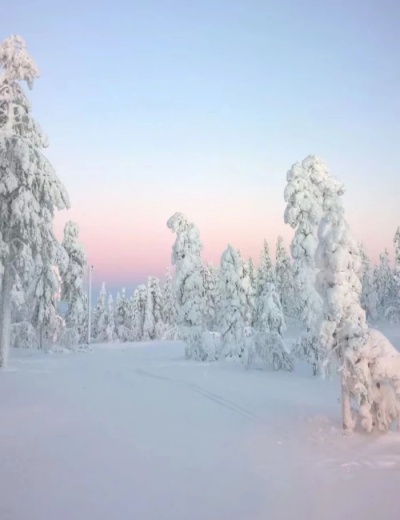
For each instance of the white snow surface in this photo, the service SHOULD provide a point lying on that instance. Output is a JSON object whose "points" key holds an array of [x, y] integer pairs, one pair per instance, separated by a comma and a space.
{"points": [[133, 430]]}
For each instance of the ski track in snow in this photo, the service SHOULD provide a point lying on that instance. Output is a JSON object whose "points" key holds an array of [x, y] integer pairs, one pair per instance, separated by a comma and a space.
{"points": [[202, 391], [137, 432]]}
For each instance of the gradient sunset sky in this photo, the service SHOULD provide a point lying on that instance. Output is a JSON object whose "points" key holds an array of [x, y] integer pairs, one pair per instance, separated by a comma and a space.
{"points": [[153, 107]]}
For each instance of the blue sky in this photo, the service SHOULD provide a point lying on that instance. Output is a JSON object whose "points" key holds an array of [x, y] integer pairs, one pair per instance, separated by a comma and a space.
{"points": [[154, 100]]}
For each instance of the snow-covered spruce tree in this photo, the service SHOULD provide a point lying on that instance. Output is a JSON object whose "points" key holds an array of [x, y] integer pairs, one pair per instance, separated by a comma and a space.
{"points": [[139, 310], [392, 312], [268, 345], [384, 283], [29, 188], [369, 298], [72, 276], [232, 309], [99, 317], [265, 273], [284, 278], [343, 330], [253, 284], [211, 294], [45, 292], [304, 198], [188, 285], [110, 327], [122, 316], [149, 325], [249, 290], [396, 274], [169, 310], [153, 326]]}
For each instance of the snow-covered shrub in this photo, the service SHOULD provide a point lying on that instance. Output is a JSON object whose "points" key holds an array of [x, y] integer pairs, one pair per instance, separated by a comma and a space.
{"points": [[188, 284], [211, 344], [70, 339], [24, 335]]}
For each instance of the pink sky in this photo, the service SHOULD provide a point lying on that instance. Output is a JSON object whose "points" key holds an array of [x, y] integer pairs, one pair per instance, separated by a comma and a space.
{"points": [[127, 239]]}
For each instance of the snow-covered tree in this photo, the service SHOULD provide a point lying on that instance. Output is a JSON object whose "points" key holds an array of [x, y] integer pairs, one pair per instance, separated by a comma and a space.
{"points": [[343, 330], [392, 312], [304, 197], [284, 278], [384, 283], [169, 310], [232, 309], [369, 298], [268, 345], [188, 284], [211, 294], [153, 326], [249, 289], [99, 317], [265, 273], [123, 316], [44, 300], [110, 327], [72, 278], [396, 275], [29, 188], [139, 310]]}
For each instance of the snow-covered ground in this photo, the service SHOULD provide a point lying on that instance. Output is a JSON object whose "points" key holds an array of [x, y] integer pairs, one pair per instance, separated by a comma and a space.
{"points": [[134, 431]]}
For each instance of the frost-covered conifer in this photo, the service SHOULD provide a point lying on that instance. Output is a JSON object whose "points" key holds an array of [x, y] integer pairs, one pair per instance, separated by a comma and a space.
{"points": [[392, 312], [188, 284], [44, 299], [153, 326], [29, 188], [122, 316], [396, 241], [232, 309], [268, 345], [304, 197], [265, 273], [343, 330], [384, 283], [99, 319], [249, 289], [110, 327], [284, 278], [72, 278], [369, 298], [139, 310], [211, 295], [169, 310]]}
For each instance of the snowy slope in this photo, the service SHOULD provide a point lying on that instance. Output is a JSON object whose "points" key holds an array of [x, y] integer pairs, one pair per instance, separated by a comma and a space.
{"points": [[136, 432]]}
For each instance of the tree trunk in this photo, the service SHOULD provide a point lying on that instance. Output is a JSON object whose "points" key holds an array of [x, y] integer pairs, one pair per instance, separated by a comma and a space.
{"points": [[346, 408], [5, 314]]}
